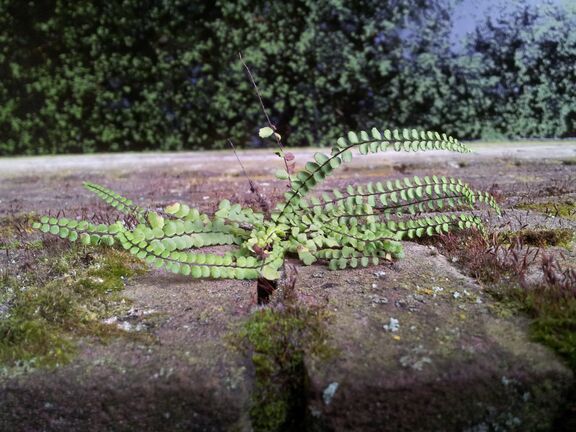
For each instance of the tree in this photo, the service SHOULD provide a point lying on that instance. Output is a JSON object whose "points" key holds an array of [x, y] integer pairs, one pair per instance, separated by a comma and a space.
{"points": [[527, 71]]}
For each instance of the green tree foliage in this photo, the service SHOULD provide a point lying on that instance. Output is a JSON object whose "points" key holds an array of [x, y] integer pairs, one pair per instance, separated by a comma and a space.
{"points": [[524, 77], [120, 75]]}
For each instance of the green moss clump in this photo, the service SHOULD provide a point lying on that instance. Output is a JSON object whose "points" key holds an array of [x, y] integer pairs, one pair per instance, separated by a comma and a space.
{"points": [[277, 341], [10, 245], [556, 327], [553, 315], [40, 319], [543, 238], [565, 209]]}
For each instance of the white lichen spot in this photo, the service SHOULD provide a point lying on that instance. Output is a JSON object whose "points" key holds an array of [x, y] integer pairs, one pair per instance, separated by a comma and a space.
{"points": [[376, 299], [125, 325], [436, 290], [409, 361], [111, 320], [329, 392], [392, 326]]}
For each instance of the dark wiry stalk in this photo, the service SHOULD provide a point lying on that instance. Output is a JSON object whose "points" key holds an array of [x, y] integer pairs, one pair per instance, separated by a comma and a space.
{"points": [[253, 186], [272, 126]]}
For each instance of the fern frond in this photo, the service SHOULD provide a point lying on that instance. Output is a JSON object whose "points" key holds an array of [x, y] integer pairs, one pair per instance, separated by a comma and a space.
{"points": [[346, 257], [74, 230], [350, 228], [323, 165], [120, 203], [408, 195], [217, 230], [408, 140], [197, 265], [306, 179], [183, 212], [369, 239], [400, 197], [430, 226], [239, 214]]}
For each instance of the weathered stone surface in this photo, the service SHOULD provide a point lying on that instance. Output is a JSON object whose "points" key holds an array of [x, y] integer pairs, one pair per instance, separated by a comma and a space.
{"points": [[188, 378], [452, 362], [458, 360]]}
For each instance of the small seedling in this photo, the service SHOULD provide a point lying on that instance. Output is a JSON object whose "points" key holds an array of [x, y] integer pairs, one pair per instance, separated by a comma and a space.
{"points": [[355, 226]]}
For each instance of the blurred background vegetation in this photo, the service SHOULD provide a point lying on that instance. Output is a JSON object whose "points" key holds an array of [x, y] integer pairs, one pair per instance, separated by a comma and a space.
{"points": [[131, 75]]}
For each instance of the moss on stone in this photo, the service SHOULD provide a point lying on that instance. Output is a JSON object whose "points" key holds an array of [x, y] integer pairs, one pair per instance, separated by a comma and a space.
{"points": [[555, 325], [550, 305], [39, 319], [544, 237], [277, 340], [569, 161], [565, 209]]}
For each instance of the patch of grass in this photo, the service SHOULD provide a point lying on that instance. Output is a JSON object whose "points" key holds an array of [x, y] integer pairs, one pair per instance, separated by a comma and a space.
{"points": [[565, 209], [63, 296], [277, 340]]}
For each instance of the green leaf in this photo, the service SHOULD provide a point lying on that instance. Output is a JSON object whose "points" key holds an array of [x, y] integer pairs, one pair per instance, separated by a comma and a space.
{"points": [[321, 158], [270, 273], [353, 138], [172, 209], [155, 220], [281, 174], [169, 228], [347, 156], [311, 167], [307, 258], [265, 132]]}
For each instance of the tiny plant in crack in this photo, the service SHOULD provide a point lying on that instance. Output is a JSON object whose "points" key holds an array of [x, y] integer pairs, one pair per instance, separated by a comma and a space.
{"points": [[354, 226]]}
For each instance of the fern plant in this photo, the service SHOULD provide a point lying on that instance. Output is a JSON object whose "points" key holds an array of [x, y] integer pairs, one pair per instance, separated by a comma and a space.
{"points": [[357, 226]]}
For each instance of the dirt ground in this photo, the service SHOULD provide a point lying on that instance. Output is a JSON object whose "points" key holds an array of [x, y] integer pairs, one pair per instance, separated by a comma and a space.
{"points": [[457, 361]]}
